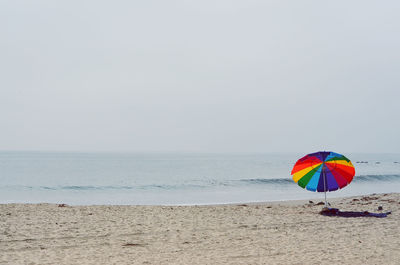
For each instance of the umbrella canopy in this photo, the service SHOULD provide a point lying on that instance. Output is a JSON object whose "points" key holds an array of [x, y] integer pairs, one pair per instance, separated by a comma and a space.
{"points": [[323, 171]]}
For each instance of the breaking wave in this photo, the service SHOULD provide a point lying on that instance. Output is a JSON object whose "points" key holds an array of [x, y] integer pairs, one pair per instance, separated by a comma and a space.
{"points": [[197, 184]]}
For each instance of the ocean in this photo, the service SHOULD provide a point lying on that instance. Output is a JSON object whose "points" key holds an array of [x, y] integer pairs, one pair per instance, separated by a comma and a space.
{"points": [[175, 178]]}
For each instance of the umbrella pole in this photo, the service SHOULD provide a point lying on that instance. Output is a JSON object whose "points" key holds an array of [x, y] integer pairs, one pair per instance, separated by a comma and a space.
{"points": [[323, 172]]}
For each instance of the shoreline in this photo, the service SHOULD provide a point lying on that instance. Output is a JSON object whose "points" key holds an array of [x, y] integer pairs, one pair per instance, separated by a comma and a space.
{"points": [[285, 202], [285, 232]]}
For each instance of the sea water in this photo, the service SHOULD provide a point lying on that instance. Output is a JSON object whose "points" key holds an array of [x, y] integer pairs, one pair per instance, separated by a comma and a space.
{"points": [[175, 178]]}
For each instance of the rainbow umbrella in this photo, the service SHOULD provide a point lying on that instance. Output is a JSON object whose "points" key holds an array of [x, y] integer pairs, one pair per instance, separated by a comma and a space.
{"points": [[323, 171]]}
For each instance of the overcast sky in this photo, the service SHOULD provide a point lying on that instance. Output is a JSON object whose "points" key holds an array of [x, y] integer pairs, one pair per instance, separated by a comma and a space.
{"points": [[208, 76]]}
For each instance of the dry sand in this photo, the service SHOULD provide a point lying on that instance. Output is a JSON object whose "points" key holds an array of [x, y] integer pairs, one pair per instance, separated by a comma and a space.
{"points": [[266, 233]]}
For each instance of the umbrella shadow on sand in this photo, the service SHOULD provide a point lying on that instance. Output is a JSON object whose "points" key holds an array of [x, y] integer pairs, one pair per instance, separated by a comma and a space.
{"points": [[336, 212]]}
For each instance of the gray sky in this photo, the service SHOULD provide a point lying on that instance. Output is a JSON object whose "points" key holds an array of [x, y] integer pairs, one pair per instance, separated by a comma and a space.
{"points": [[209, 76]]}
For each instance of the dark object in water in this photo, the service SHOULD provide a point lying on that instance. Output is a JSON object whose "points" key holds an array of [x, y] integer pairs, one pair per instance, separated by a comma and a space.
{"points": [[337, 212]]}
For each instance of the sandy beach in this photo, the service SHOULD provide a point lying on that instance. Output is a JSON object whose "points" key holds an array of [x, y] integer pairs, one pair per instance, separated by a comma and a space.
{"points": [[261, 233]]}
